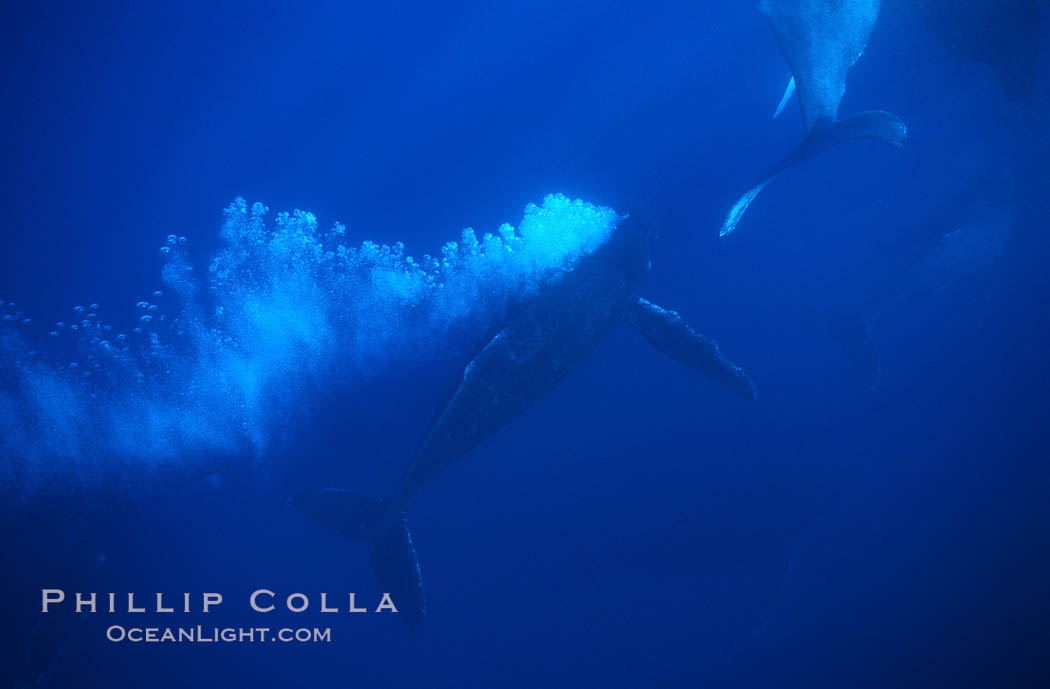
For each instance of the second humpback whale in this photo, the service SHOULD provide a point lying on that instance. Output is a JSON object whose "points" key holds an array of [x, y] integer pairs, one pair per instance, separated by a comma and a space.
{"points": [[821, 40], [539, 345], [955, 243]]}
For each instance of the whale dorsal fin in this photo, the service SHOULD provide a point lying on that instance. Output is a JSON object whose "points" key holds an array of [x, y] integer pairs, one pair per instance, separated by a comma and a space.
{"points": [[821, 40], [668, 332]]}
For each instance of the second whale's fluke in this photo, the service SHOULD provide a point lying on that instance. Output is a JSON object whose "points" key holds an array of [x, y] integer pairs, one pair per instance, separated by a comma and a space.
{"points": [[821, 40]]}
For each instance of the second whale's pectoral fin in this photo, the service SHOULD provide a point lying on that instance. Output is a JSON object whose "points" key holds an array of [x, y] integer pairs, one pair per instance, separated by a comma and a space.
{"points": [[740, 207], [788, 92], [873, 124], [667, 331]]}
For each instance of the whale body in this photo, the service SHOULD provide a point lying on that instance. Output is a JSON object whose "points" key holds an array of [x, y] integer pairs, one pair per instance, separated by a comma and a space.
{"points": [[537, 347], [956, 242], [821, 40]]}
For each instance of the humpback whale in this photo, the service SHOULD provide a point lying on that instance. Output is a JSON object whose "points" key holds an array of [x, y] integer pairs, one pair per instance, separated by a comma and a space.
{"points": [[821, 40], [955, 243], [539, 344]]}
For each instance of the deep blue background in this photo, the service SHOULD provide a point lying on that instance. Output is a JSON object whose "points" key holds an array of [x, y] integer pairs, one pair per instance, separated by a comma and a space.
{"points": [[640, 527]]}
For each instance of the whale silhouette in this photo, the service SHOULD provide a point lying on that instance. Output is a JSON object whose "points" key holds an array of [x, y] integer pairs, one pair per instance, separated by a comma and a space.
{"points": [[821, 40], [955, 242], [537, 348]]}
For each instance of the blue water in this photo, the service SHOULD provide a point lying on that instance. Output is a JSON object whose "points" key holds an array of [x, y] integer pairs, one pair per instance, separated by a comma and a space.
{"points": [[639, 527]]}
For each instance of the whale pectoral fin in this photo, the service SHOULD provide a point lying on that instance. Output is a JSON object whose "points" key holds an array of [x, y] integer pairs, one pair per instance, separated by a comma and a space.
{"points": [[874, 124], [668, 332], [740, 207], [788, 92]]}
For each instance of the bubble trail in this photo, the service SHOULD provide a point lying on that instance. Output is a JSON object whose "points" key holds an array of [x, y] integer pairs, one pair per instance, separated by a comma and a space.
{"points": [[216, 364]]}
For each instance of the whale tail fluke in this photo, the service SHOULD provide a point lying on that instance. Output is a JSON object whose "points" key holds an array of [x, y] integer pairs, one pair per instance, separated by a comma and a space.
{"points": [[385, 528]]}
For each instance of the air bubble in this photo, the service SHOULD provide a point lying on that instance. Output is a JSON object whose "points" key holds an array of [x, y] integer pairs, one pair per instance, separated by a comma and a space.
{"points": [[172, 375]]}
